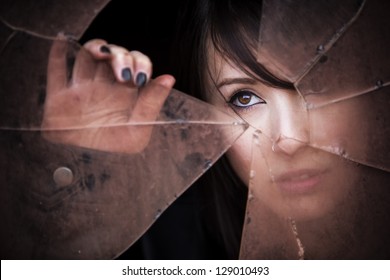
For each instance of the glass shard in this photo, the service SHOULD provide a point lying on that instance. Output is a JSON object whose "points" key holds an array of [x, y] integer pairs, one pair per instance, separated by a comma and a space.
{"points": [[294, 35], [85, 171], [325, 196], [314, 205], [70, 17]]}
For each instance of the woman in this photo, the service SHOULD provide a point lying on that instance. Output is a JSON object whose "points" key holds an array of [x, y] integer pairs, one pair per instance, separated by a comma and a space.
{"points": [[307, 188]]}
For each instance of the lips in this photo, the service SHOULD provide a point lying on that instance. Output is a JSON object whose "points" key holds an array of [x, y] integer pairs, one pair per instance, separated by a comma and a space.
{"points": [[299, 181]]}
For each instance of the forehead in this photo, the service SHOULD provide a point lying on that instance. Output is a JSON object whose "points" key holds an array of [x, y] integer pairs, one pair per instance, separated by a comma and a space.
{"points": [[220, 66]]}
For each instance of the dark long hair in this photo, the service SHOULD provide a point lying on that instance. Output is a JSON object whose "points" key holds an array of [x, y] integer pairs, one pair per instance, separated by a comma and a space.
{"points": [[232, 27]]}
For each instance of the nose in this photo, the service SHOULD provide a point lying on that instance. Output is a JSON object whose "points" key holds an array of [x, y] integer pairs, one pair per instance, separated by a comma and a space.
{"points": [[291, 124], [287, 146]]}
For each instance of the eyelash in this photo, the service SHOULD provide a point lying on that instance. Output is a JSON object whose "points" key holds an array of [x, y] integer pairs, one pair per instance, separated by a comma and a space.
{"points": [[249, 94]]}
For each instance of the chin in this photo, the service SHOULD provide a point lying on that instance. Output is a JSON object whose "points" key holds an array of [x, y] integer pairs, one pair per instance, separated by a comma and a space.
{"points": [[303, 209], [306, 215]]}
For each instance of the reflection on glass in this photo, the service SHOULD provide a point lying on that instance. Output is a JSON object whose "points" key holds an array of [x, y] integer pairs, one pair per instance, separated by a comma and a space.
{"points": [[85, 171], [320, 165]]}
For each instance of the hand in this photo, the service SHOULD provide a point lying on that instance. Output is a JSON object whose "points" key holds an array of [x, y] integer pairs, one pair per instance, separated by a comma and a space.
{"points": [[110, 89]]}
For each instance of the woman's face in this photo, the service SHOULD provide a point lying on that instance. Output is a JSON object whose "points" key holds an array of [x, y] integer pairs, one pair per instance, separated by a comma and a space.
{"points": [[290, 157]]}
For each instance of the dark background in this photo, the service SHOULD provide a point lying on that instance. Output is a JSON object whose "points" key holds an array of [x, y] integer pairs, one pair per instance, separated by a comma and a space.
{"points": [[151, 27], [146, 26]]}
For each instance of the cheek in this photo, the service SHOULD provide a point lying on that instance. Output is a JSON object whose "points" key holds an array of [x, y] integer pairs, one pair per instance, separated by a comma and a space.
{"points": [[240, 156], [339, 129]]}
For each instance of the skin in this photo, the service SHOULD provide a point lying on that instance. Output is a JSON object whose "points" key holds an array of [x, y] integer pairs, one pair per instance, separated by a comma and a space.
{"points": [[293, 174], [102, 98]]}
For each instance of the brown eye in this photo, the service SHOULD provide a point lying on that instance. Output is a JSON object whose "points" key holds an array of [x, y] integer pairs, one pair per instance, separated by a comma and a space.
{"points": [[245, 98]]}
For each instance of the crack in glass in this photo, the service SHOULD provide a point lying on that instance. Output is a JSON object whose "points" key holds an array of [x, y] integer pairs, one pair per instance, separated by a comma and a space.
{"points": [[322, 187], [319, 171], [84, 171]]}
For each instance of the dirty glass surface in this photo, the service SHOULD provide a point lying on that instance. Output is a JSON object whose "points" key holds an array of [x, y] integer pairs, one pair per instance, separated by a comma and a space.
{"points": [[84, 172], [328, 196]]}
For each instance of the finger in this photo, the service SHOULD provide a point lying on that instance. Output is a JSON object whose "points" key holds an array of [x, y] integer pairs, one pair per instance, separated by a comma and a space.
{"points": [[128, 66], [142, 68], [152, 98], [98, 49], [122, 64], [57, 67]]}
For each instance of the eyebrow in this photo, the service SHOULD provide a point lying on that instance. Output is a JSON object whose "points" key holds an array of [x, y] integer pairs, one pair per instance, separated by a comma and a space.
{"points": [[230, 81]]}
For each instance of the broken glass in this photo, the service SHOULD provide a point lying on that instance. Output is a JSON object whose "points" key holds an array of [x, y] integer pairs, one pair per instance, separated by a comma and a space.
{"points": [[72, 200], [329, 198], [77, 184]]}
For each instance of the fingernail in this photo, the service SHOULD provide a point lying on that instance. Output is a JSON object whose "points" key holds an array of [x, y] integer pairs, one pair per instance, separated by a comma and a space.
{"points": [[126, 74], [105, 49], [141, 79]]}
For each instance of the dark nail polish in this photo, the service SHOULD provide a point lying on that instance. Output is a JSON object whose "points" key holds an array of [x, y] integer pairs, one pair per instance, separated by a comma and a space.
{"points": [[126, 74], [105, 49], [141, 79]]}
